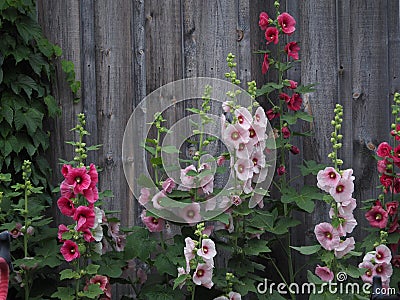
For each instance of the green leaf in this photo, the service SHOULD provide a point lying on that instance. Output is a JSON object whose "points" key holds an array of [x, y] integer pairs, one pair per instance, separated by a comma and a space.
{"points": [[393, 238], [67, 274], [140, 244], [92, 269], [92, 292], [304, 89], [181, 279], [307, 250], [111, 267], [303, 199], [165, 266], [311, 167], [32, 119], [304, 116], [28, 29], [283, 225], [27, 84], [224, 218], [170, 149], [20, 53], [268, 88], [64, 293], [255, 247], [48, 251]]}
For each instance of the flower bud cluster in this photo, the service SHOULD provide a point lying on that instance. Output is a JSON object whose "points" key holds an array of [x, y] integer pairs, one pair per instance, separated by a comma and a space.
{"points": [[336, 138]]}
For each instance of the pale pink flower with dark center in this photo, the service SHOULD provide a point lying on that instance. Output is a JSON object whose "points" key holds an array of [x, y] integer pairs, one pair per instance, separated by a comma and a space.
{"points": [[220, 160], [234, 296], [292, 49], [347, 207], [191, 213], [327, 179], [324, 273], [258, 159], [85, 218], [189, 253], [261, 176], [234, 135], [244, 150], [244, 169], [152, 223], [70, 250], [156, 200], [327, 236], [256, 134], [203, 275], [272, 35], [287, 23], [168, 185], [369, 273], [383, 254], [207, 250], [265, 64], [343, 190], [144, 196], [113, 229], [207, 182], [236, 200], [187, 180], [347, 224], [260, 118], [384, 270], [66, 206], [344, 247], [263, 21], [79, 178], [120, 242], [16, 231], [226, 106], [244, 117]]}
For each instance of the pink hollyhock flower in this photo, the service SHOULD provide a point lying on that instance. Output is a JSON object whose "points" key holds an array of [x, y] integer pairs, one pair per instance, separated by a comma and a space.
{"points": [[113, 229], [85, 218], [272, 114], [120, 242], [392, 208], [236, 200], [65, 169], [287, 23], [292, 49], [203, 275], [281, 170], [226, 106], [344, 247], [244, 117], [91, 194], [244, 169], [66, 206], [327, 179], [396, 156], [343, 190], [70, 250], [244, 151], [369, 273], [295, 102], [94, 176], [187, 180], [394, 226], [383, 254], [189, 253], [61, 229], [293, 84], [191, 213], [382, 166], [144, 196], [234, 296], [324, 273], [236, 134], [347, 224], [79, 178], [207, 250], [220, 160], [327, 236], [256, 134], [87, 235], [263, 21], [67, 190], [207, 182], [16, 231], [156, 200], [384, 270], [265, 64], [272, 35], [384, 150], [285, 132], [208, 230], [377, 217], [168, 185], [103, 283], [258, 159], [152, 223], [347, 207], [260, 118]]}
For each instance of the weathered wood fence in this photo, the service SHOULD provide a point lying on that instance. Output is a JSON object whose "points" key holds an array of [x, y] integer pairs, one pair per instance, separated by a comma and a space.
{"points": [[125, 49]]}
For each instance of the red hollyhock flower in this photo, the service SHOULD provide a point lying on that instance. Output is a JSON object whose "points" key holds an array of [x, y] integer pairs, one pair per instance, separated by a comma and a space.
{"points": [[272, 35], [292, 49], [377, 217], [394, 132], [384, 150], [394, 225], [61, 229], [396, 156], [295, 150], [263, 21], [392, 207], [281, 170], [66, 206], [265, 64], [67, 190], [287, 23], [295, 102], [103, 282], [79, 178], [293, 84], [91, 194], [85, 218], [272, 114], [284, 97], [396, 261], [382, 166], [94, 176], [386, 180], [65, 169], [285, 132], [70, 250]]}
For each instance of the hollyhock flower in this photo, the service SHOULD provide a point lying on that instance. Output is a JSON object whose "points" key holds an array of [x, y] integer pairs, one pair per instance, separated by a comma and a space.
{"points": [[144, 196], [295, 102], [94, 176], [120, 242], [386, 180], [294, 150], [285, 132], [383, 254], [103, 283], [61, 229], [91, 194], [327, 236], [324, 273], [236, 134], [260, 118], [244, 169], [156, 200], [377, 217], [263, 21], [65, 169], [16, 231], [327, 179], [347, 224], [292, 49], [281, 170], [382, 166], [344, 247], [244, 150], [394, 225], [66, 206], [287, 23], [265, 64], [207, 250], [384, 270], [79, 178], [85, 218], [207, 182], [244, 117], [236, 200], [70, 250], [272, 114], [396, 261], [343, 190], [285, 97], [272, 35], [369, 273], [187, 180], [113, 229], [392, 207], [191, 213], [67, 190], [226, 106], [220, 160], [203, 275], [256, 134], [258, 159], [231, 296], [384, 150], [347, 207], [394, 132], [152, 223], [168, 185], [189, 253], [87, 235], [293, 84], [396, 156]]}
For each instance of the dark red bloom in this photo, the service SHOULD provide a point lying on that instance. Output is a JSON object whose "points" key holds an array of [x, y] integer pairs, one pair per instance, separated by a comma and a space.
{"points": [[295, 102], [91, 194], [292, 49], [384, 150], [70, 250], [272, 35], [285, 132], [392, 207], [293, 84], [295, 150], [396, 261], [66, 206], [386, 180], [394, 225], [377, 217], [85, 217], [61, 229], [263, 21], [287, 23], [94, 176], [65, 169], [284, 97], [281, 170], [272, 114], [79, 179], [265, 64], [396, 156]]}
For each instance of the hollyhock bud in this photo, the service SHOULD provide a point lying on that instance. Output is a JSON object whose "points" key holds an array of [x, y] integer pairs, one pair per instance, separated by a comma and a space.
{"points": [[263, 21], [285, 132], [265, 64], [293, 84], [285, 97], [295, 150], [324, 273], [281, 170], [272, 114]]}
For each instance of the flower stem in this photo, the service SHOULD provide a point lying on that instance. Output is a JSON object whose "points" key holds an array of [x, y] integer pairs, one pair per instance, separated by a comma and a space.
{"points": [[193, 292]]}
